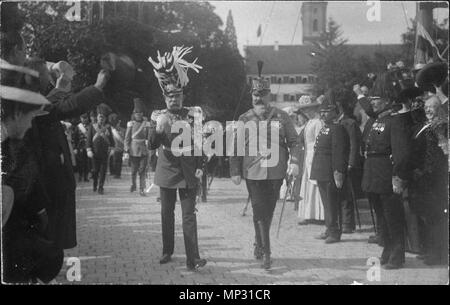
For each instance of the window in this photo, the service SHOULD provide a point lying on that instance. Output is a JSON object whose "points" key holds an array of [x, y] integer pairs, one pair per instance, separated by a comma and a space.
{"points": [[298, 79], [286, 97], [305, 80], [298, 96], [315, 25], [286, 80], [292, 80], [310, 79], [273, 79], [273, 97], [292, 98], [280, 80]]}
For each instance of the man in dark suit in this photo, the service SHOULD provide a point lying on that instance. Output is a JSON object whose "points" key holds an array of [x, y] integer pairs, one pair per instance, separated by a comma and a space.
{"points": [[175, 171], [50, 145], [329, 167]]}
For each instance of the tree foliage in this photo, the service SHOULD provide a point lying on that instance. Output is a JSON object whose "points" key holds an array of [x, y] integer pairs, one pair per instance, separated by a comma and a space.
{"points": [[138, 30]]}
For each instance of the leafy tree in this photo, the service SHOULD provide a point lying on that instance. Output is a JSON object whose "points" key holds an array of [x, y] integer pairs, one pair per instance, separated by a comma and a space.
{"points": [[333, 61], [138, 30], [230, 32]]}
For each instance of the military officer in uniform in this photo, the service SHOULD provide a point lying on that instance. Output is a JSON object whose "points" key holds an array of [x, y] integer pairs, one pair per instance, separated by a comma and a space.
{"points": [[80, 139], [100, 142], [329, 168], [175, 171], [387, 147], [136, 141], [264, 181]]}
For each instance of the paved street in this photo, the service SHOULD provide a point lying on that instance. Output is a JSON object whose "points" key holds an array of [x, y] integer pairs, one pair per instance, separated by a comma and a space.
{"points": [[119, 241]]}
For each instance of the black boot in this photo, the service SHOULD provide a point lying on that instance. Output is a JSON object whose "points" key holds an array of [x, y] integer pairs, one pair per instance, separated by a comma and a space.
{"points": [[95, 185], [258, 250], [265, 238]]}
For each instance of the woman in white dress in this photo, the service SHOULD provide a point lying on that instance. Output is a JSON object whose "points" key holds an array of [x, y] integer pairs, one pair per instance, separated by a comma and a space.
{"points": [[310, 205]]}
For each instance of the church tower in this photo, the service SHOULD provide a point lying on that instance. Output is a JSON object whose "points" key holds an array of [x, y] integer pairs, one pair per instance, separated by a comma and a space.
{"points": [[314, 20]]}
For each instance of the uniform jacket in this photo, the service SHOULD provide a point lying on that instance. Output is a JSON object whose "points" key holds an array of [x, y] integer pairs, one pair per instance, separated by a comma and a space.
{"points": [[80, 136], [387, 148], [331, 152], [119, 138], [49, 143], [355, 137], [100, 139], [136, 138], [252, 167], [173, 171]]}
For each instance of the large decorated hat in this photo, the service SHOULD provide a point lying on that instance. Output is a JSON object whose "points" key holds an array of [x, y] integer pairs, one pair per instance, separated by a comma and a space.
{"points": [[260, 86], [432, 74], [305, 101], [20, 84], [171, 70]]}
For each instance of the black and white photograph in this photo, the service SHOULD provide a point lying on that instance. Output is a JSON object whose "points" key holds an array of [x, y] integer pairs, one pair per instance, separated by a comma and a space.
{"points": [[208, 145]]}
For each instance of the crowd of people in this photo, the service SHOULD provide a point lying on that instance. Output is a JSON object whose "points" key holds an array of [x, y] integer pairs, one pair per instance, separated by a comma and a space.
{"points": [[396, 156], [387, 142]]}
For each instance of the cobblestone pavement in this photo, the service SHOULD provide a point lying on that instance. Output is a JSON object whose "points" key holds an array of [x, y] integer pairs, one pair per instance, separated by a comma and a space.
{"points": [[119, 242]]}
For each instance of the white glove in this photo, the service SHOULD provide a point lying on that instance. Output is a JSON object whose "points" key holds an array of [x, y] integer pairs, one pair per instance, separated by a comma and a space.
{"points": [[198, 173], [236, 179], [293, 170], [90, 154], [125, 157]]}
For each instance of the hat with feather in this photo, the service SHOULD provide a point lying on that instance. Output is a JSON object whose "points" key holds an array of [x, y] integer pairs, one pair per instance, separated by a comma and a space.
{"points": [[171, 69], [260, 86]]}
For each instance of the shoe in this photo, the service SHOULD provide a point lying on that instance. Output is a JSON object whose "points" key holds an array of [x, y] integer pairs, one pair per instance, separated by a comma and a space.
{"points": [[324, 235], [95, 188], [421, 256], [132, 188], [348, 231], [258, 252], [142, 193], [432, 261], [165, 259], [332, 239], [303, 222], [390, 266], [267, 264], [373, 239], [198, 263], [101, 191]]}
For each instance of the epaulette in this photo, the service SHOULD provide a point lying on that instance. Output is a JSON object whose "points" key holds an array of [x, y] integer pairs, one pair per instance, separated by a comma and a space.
{"points": [[156, 114], [130, 124]]}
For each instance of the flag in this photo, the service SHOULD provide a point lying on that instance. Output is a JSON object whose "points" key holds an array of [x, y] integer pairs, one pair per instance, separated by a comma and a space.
{"points": [[258, 32], [426, 50]]}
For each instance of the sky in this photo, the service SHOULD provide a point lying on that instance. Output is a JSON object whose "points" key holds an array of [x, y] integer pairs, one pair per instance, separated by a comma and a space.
{"points": [[278, 20]]}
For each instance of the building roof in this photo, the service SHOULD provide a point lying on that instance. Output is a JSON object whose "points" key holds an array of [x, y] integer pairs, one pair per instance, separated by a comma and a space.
{"points": [[297, 59]]}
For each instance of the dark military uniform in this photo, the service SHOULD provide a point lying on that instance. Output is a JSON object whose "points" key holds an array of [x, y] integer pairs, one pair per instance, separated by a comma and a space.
{"points": [[100, 141], [264, 182], [331, 152], [80, 142], [387, 149], [135, 145], [119, 139], [176, 173], [355, 164]]}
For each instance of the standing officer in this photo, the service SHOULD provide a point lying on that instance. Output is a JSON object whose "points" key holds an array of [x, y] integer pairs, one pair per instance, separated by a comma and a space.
{"points": [[264, 182], [328, 168], [99, 144], [80, 139], [343, 98], [118, 132], [136, 138], [174, 171], [387, 147]]}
